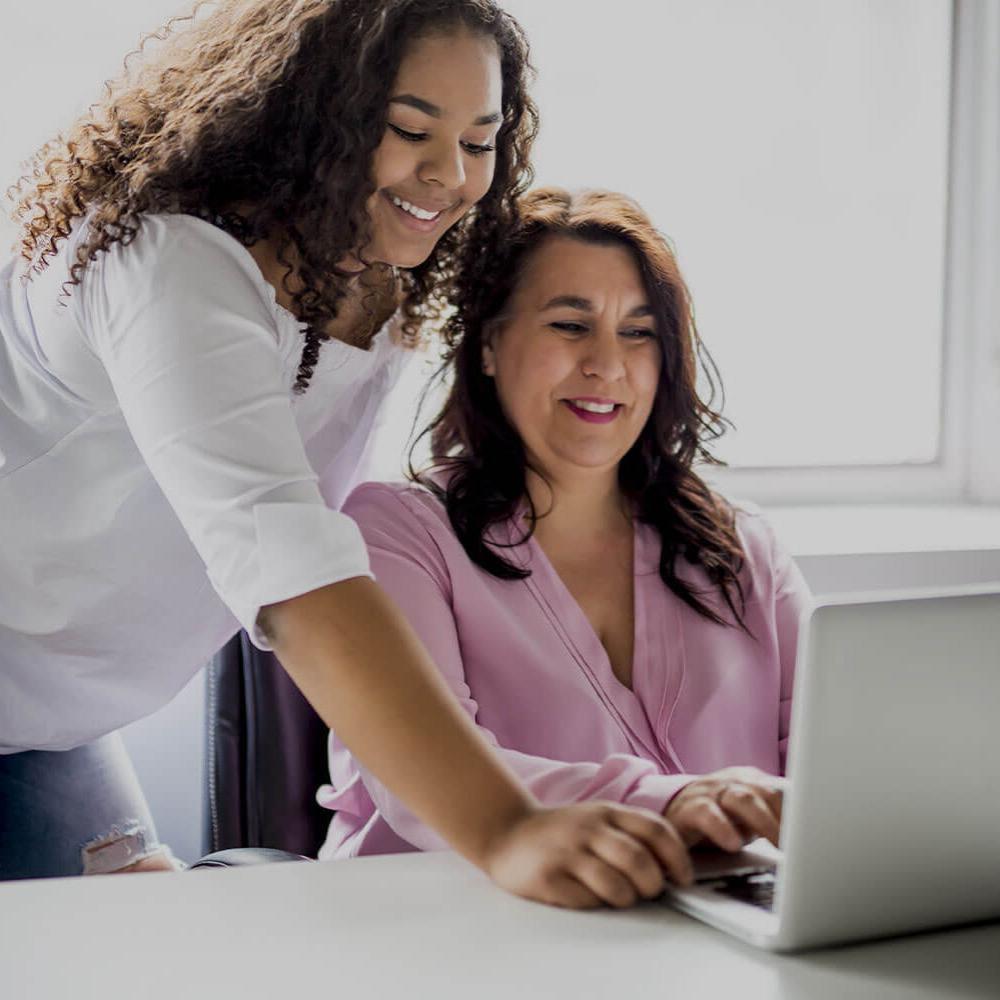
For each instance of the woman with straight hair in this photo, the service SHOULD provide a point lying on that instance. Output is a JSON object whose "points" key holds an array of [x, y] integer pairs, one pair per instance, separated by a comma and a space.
{"points": [[194, 348], [617, 629]]}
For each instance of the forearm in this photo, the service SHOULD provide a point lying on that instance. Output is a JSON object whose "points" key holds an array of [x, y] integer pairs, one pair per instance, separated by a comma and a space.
{"points": [[367, 675], [620, 778]]}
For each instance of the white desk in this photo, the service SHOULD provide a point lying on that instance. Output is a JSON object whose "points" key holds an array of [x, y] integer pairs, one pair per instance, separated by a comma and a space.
{"points": [[422, 926]]}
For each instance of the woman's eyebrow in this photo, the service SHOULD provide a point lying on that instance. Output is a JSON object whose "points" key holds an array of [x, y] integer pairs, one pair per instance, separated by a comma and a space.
{"points": [[435, 112], [569, 302], [585, 305]]}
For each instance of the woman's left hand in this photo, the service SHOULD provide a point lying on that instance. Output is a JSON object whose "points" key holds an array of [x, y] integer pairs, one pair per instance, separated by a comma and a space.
{"points": [[729, 808]]}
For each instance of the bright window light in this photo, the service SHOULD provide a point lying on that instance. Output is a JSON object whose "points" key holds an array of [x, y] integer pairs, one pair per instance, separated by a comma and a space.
{"points": [[795, 153]]}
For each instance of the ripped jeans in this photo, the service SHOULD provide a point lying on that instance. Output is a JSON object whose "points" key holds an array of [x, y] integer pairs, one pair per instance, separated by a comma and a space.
{"points": [[73, 812]]}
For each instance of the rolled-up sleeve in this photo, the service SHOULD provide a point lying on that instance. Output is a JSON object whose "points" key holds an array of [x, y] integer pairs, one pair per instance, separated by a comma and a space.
{"points": [[189, 341]]}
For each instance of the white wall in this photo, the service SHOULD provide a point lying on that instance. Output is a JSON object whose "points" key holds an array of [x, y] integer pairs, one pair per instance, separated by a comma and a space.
{"points": [[168, 750]]}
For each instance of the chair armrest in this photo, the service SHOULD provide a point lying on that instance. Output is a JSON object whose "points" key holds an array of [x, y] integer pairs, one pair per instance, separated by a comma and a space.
{"points": [[239, 857]]}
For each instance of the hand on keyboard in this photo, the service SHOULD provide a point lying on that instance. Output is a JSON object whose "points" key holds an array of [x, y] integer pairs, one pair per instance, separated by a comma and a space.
{"points": [[728, 808]]}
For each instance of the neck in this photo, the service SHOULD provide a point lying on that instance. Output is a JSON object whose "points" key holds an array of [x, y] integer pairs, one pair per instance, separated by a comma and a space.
{"points": [[372, 296], [587, 503], [265, 253]]}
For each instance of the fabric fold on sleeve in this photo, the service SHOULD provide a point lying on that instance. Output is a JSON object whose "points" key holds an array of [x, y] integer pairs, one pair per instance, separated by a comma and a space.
{"points": [[300, 547], [656, 791]]}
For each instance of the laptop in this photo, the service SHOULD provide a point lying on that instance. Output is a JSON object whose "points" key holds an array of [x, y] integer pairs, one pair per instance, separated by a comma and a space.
{"points": [[891, 818]]}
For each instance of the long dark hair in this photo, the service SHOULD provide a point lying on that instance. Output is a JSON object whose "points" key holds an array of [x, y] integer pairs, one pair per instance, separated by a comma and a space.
{"points": [[250, 102], [478, 460]]}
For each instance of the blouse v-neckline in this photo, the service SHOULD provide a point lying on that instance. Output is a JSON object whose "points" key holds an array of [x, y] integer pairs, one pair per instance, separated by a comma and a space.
{"points": [[566, 594], [636, 708]]}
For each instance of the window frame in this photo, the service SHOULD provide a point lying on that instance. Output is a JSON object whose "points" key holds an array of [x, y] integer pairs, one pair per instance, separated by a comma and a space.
{"points": [[965, 468]]}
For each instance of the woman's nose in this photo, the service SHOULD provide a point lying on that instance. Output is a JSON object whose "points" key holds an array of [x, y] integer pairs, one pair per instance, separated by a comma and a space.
{"points": [[444, 167], [603, 356]]}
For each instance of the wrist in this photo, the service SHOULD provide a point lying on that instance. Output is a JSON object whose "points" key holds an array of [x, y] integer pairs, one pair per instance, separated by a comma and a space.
{"points": [[679, 793], [498, 832], [655, 792]]}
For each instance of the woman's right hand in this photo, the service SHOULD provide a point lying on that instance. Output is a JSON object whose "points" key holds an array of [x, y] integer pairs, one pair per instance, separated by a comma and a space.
{"points": [[589, 854], [729, 808]]}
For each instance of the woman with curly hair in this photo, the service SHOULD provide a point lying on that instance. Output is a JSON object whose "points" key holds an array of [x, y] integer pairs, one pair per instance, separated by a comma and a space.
{"points": [[193, 353], [617, 629]]}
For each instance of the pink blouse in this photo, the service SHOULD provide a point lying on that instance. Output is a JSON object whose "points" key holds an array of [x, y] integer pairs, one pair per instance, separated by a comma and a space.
{"points": [[525, 663]]}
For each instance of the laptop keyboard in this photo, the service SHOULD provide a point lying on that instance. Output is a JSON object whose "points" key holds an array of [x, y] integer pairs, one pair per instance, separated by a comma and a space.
{"points": [[755, 888]]}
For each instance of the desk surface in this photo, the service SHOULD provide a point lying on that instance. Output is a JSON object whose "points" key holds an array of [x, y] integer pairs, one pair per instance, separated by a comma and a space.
{"points": [[423, 926]]}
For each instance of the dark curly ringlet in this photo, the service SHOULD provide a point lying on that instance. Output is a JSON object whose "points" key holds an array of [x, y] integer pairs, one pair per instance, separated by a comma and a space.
{"points": [[478, 460], [278, 104]]}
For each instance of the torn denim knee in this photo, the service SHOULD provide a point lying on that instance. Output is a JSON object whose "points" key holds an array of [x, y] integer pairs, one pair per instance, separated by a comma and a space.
{"points": [[125, 844]]}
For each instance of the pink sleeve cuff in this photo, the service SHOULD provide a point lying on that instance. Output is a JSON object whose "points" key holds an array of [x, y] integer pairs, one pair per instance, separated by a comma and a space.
{"points": [[655, 791]]}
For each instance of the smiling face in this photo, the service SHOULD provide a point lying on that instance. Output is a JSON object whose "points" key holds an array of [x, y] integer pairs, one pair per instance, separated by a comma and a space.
{"points": [[437, 156], [576, 359]]}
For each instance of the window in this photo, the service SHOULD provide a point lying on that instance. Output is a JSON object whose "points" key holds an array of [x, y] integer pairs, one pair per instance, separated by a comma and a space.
{"points": [[806, 160], [825, 171]]}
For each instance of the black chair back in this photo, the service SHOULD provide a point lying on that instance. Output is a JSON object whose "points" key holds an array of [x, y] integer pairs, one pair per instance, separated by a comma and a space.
{"points": [[265, 756]]}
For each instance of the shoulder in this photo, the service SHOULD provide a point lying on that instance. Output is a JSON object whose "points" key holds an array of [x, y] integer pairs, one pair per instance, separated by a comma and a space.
{"points": [[395, 509], [751, 522], [182, 284], [765, 555], [172, 252], [185, 242], [405, 525]]}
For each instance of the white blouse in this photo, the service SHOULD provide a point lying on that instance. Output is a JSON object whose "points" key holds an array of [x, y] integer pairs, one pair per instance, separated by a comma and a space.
{"points": [[159, 481]]}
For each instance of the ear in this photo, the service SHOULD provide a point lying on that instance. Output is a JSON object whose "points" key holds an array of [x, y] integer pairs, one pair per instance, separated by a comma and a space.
{"points": [[489, 355], [489, 361]]}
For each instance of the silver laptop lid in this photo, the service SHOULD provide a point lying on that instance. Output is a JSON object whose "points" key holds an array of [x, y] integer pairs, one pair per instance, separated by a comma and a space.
{"points": [[892, 822]]}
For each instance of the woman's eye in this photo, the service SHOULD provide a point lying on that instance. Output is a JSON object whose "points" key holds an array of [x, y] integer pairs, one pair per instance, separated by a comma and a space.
{"points": [[473, 148], [408, 136], [568, 326], [477, 149], [640, 333]]}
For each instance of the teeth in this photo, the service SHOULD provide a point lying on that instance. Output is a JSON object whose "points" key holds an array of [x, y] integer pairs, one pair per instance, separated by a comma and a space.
{"points": [[584, 404], [417, 213]]}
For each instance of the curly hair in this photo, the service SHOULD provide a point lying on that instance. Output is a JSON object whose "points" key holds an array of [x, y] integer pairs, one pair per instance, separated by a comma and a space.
{"points": [[248, 103], [478, 460]]}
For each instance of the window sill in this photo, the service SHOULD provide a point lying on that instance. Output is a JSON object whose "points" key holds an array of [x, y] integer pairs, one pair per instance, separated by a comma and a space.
{"points": [[866, 547], [871, 529]]}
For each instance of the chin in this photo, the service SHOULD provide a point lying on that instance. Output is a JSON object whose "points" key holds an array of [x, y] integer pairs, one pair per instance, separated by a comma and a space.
{"points": [[405, 257], [591, 461], [408, 260]]}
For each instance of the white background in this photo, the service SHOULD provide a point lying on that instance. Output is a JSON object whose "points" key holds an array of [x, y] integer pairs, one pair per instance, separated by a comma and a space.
{"points": [[794, 151]]}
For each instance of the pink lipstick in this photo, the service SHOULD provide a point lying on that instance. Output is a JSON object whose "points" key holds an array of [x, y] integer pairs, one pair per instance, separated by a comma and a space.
{"points": [[589, 415]]}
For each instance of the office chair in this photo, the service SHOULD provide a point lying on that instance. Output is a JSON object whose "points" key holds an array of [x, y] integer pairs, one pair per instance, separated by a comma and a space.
{"points": [[265, 758]]}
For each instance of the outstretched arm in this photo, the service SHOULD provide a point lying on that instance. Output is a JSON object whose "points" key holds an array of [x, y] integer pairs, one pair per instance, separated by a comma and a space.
{"points": [[366, 673]]}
